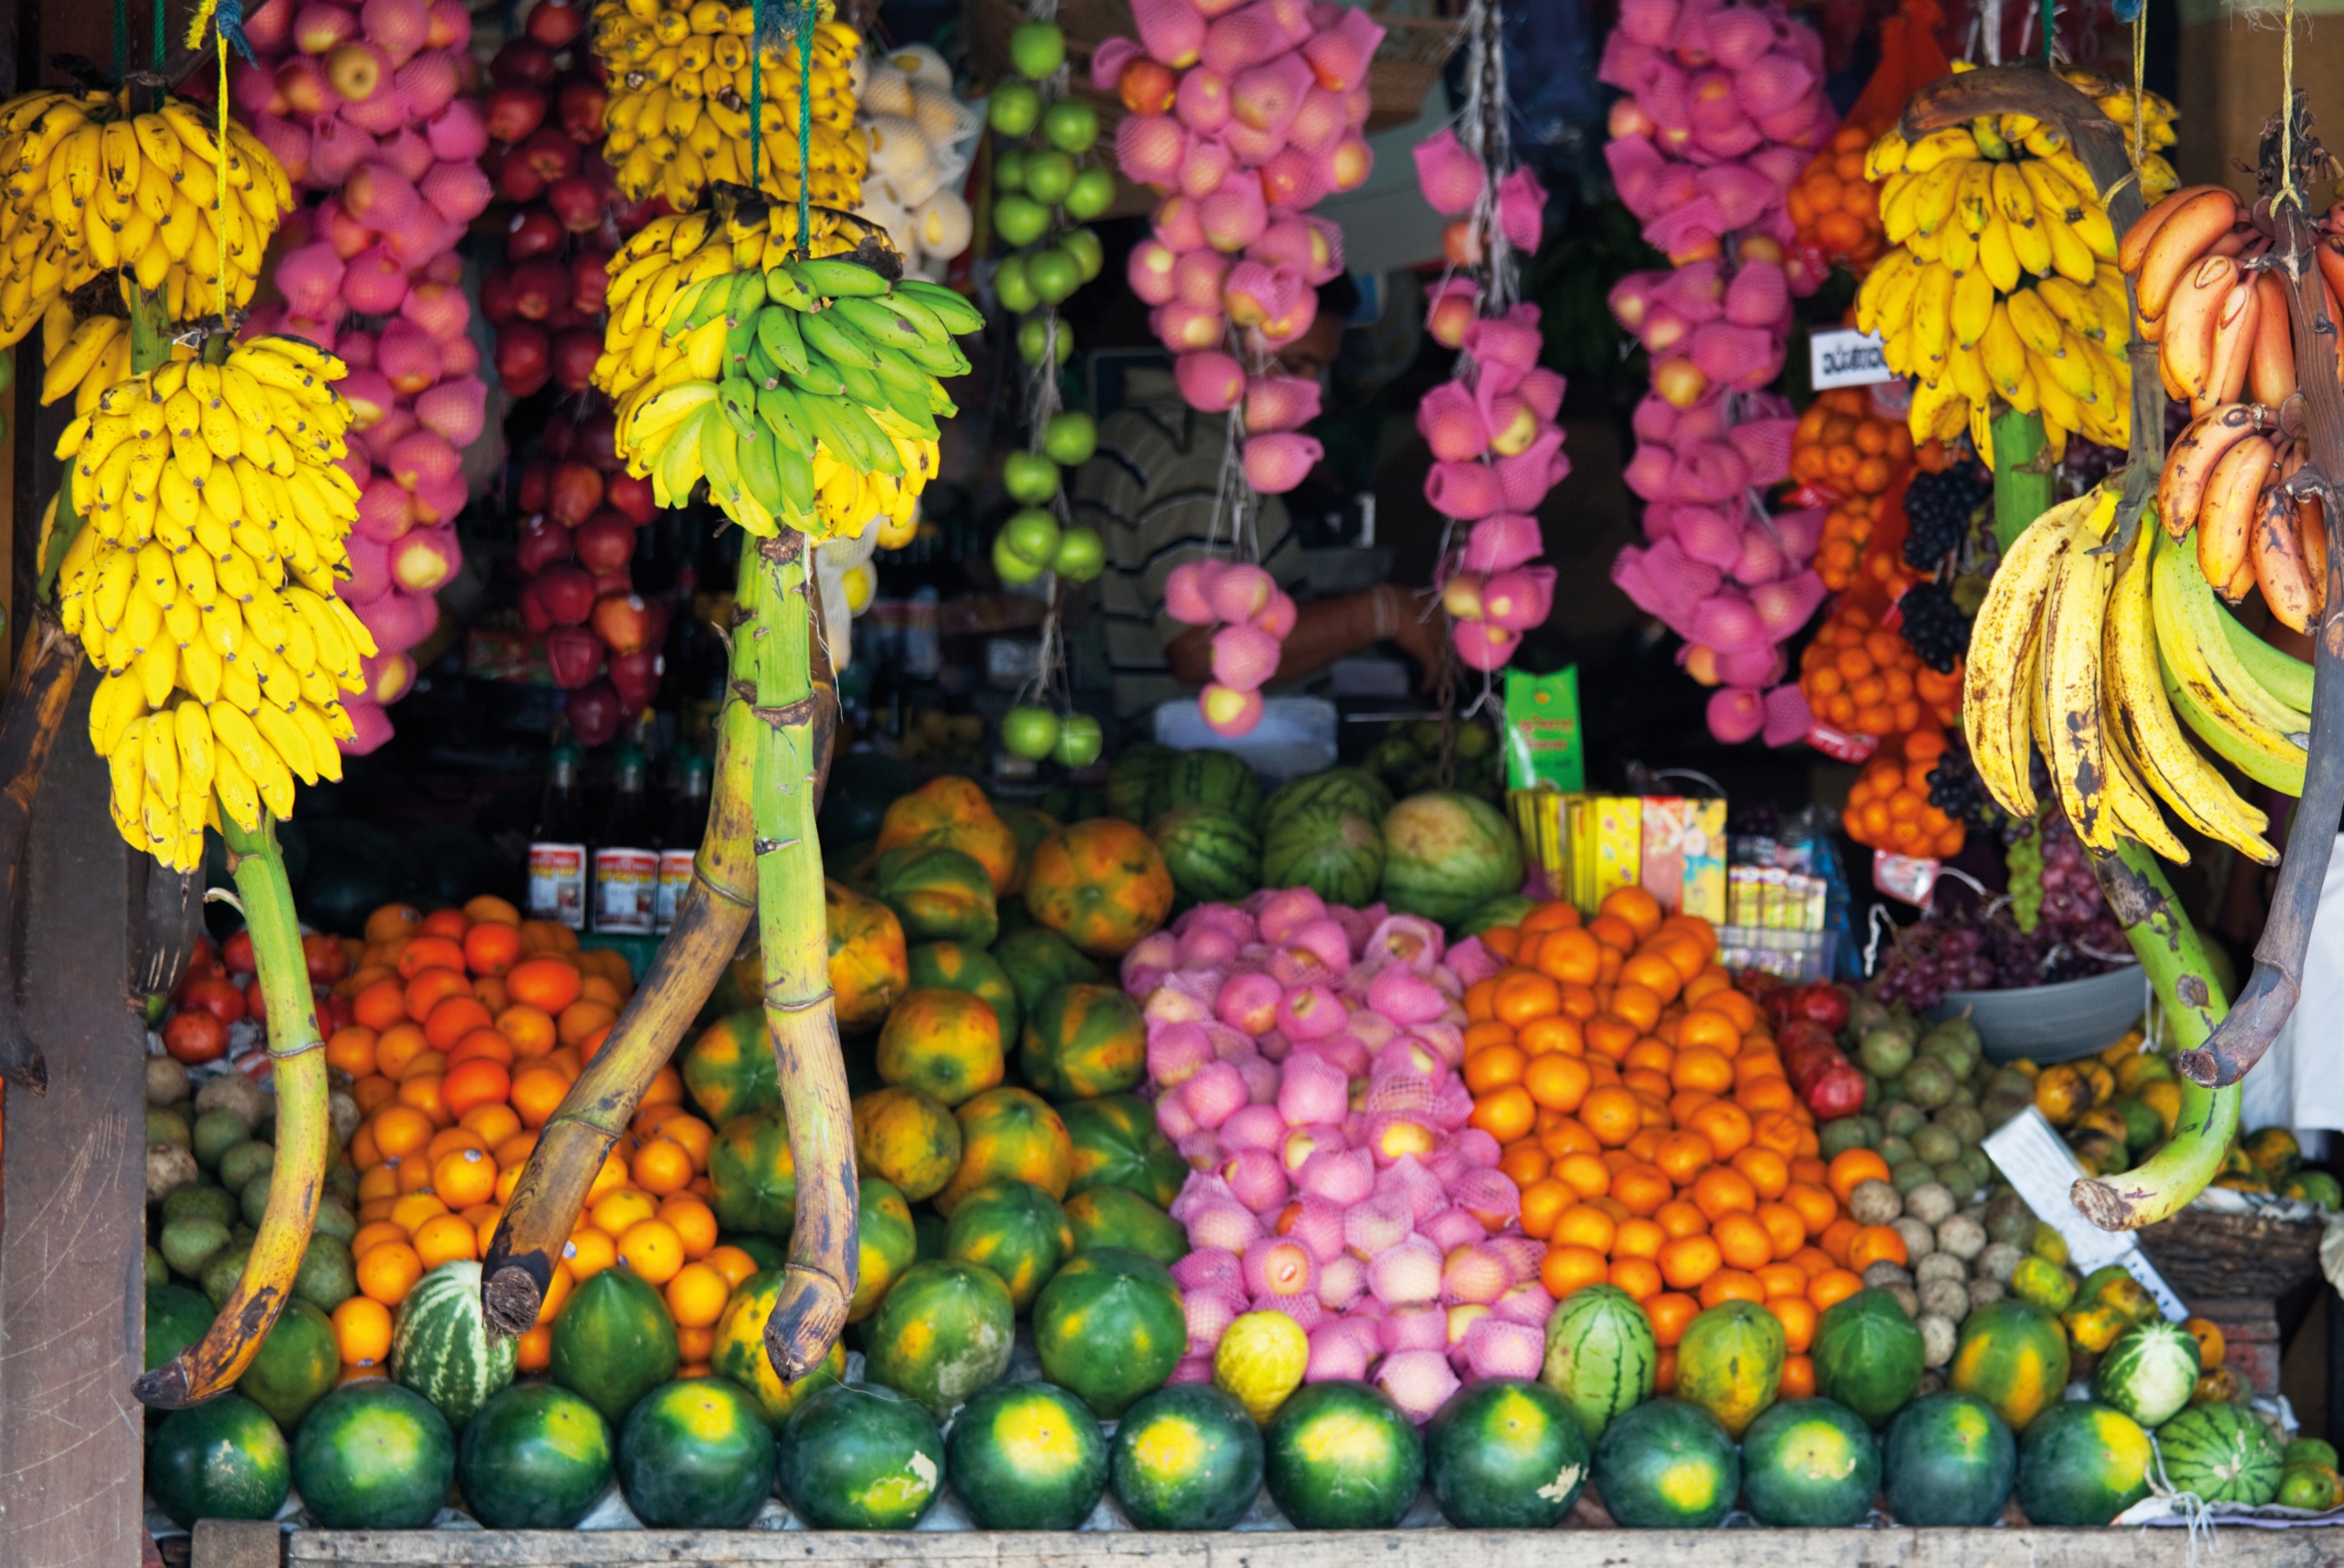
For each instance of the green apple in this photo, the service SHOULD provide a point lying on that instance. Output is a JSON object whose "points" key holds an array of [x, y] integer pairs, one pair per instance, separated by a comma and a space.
{"points": [[1008, 169], [1029, 478], [1081, 555], [1020, 219], [1084, 246], [1029, 732], [1008, 567], [1037, 49], [1049, 176], [1032, 536], [1079, 740], [1033, 335], [1070, 125], [1014, 109], [1014, 288], [1070, 438], [1054, 274], [1091, 194]]}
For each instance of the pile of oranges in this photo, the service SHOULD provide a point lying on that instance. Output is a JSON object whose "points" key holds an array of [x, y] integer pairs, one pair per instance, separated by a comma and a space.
{"points": [[1833, 209], [1861, 677], [472, 1024], [1847, 457], [1889, 806], [1643, 1112]]}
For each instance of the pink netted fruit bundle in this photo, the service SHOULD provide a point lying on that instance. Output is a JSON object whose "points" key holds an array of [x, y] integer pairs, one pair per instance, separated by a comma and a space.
{"points": [[1251, 612]]}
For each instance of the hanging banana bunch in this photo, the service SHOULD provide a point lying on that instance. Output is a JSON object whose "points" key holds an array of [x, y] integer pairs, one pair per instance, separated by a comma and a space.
{"points": [[680, 107], [202, 582], [2004, 289]]}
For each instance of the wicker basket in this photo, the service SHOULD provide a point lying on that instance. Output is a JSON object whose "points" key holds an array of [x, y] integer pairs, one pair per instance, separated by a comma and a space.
{"points": [[2204, 1253], [1411, 56]]}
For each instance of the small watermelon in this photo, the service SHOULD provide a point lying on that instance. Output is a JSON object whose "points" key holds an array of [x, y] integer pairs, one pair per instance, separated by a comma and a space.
{"points": [[1340, 1455], [696, 1454], [2081, 1464], [2014, 1355], [2223, 1453], [222, 1459], [374, 1455], [1117, 1144], [1947, 1459], [1111, 1217], [613, 1342], [1667, 1465], [739, 1349], [1207, 776], [1505, 1454], [1446, 853], [441, 1347], [1027, 1456], [1599, 1355], [177, 1317], [1506, 909], [859, 1456], [1187, 1457], [2149, 1371], [1015, 1230], [1131, 781], [535, 1457], [1336, 852], [1338, 789], [1868, 1355], [298, 1365], [1109, 1326], [1213, 858], [944, 1332], [1811, 1464]]}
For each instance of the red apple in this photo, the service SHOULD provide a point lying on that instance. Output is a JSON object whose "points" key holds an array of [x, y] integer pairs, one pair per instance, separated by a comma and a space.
{"points": [[522, 62], [319, 27], [550, 153], [211, 993], [516, 181], [497, 299], [557, 438], [576, 491], [357, 71], [268, 28], [1148, 86], [542, 543], [530, 233], [594, 713], [575, 350], [237, 953], [576, 204], [605, 541], [534, 615], [637, 677], [634, 497], [580, 106], [598, 441], [302, 82], [554, 23], [524, 357], [196, 1036], [609, 583], [534, 478], [567, 590], [590, 281], [564, 313], [629, 623], [538, 287], [574, 655]]}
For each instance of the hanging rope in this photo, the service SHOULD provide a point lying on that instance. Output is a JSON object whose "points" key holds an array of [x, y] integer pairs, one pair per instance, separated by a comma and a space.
{"points": [[2286, 191], [2050, 16], [757, 88], [806, 131], [229, 15]]}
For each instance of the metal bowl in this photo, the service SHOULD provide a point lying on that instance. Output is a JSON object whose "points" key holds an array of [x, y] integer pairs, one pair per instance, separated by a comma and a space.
{"points": [[2055, 1023]]}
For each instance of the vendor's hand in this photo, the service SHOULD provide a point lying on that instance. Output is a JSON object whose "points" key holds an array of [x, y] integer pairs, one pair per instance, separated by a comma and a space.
{"points": [[1419, 627]]}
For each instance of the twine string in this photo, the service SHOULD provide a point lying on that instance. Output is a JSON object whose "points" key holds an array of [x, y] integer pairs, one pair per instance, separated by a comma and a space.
{"points": [[756, 88], [806, 131], [2286, 191]]}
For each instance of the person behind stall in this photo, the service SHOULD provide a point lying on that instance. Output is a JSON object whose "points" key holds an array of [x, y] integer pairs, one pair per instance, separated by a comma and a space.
{"points": [[1150, 491]]}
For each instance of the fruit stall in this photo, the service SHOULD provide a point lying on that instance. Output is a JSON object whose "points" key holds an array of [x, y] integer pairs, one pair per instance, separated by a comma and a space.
{"points": [[875, 780]]}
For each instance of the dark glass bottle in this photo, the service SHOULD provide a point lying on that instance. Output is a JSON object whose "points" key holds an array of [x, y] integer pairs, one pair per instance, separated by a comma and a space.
{"points": [[558, 862], [687, 821], [626, 854]]}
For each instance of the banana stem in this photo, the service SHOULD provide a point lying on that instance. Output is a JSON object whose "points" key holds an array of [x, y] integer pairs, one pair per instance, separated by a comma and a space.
{"points": [[298, 1064], [2021, 494], [776, 576], [710, 922], [2170, 949]]}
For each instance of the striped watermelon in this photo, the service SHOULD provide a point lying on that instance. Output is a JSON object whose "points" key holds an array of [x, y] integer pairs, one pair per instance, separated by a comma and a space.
{"points": [[1599, 1355], [2149, 1371], [1208, 776], [2223, 1453], [1335, 852], [1213, 856], [1346, 790], [441, 1347], [1447, 853]]}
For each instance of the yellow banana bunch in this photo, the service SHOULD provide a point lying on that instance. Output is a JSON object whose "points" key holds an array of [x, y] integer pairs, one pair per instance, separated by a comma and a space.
{"points": [[677, 115], [87, 188], [202, 582], [2004, 289]]}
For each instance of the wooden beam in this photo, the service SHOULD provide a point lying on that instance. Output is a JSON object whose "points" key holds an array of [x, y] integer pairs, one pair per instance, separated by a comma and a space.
{"points": [[236, 1543]]}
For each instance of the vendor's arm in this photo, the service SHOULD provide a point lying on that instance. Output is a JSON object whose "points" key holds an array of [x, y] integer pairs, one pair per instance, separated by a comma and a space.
{"points": [[1325, 630]]}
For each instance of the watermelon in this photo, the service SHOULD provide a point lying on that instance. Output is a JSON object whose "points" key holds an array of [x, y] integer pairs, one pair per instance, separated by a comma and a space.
{"points": [[615, 1342], [729, 1069], [1340, 1455], [940, 894], [2082, 1463], [2014, 1355], [2223, 1453], [1506, 909], [1131, 781], [1948, 1458], [1810, 1463], [1868, 1355], [1345, 789], [2149, 1371], [535, 1457], [374, 1455], [441, 1347], [943, 1333], [752, 1177], [1187, 1457], [1117, 1144], [222, 1459], [1015, 1230], [858, 1456], [1110, 1327], [177, 1317], [696, 1454], [1038, 961], [1730, 1362], [1506, 1454], [1599, 1355], [1336, 852], [958, 966], [1083, 1041], [1213, 857], [1446, 853], [1027, 1456], [1667, 1465], [1207, 776], [299, 1365], [739, 1350], [1110, 1216]]}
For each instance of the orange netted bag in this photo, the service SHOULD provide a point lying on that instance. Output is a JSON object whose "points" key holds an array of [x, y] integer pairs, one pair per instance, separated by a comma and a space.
{"points": [[1835, 210]]}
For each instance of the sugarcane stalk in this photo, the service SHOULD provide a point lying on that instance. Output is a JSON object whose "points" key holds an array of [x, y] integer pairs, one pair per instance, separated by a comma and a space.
{"points": [[2170, 951], [298, 1068], [40, 690], [777, 580]]}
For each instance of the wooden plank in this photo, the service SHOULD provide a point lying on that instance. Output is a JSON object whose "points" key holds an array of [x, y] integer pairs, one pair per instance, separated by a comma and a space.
{"points": [[2237, 1548], [71, 1264], [235, 1544]]}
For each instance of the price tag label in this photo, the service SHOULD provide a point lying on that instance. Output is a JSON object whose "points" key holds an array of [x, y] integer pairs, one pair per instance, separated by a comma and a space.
{"points": [[1846, 745], [1904, 877], [1844, 356], [2026, 1149]]}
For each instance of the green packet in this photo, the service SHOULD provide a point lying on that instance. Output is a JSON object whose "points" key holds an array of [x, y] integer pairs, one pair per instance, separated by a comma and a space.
{"points": [[1544, 749]]}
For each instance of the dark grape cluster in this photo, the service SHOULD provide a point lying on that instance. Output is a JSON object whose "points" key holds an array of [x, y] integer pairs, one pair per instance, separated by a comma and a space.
{"points": [[1934, 625], [1932, 957], [2085, 463], [1939, 509], [1955, 789]]}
